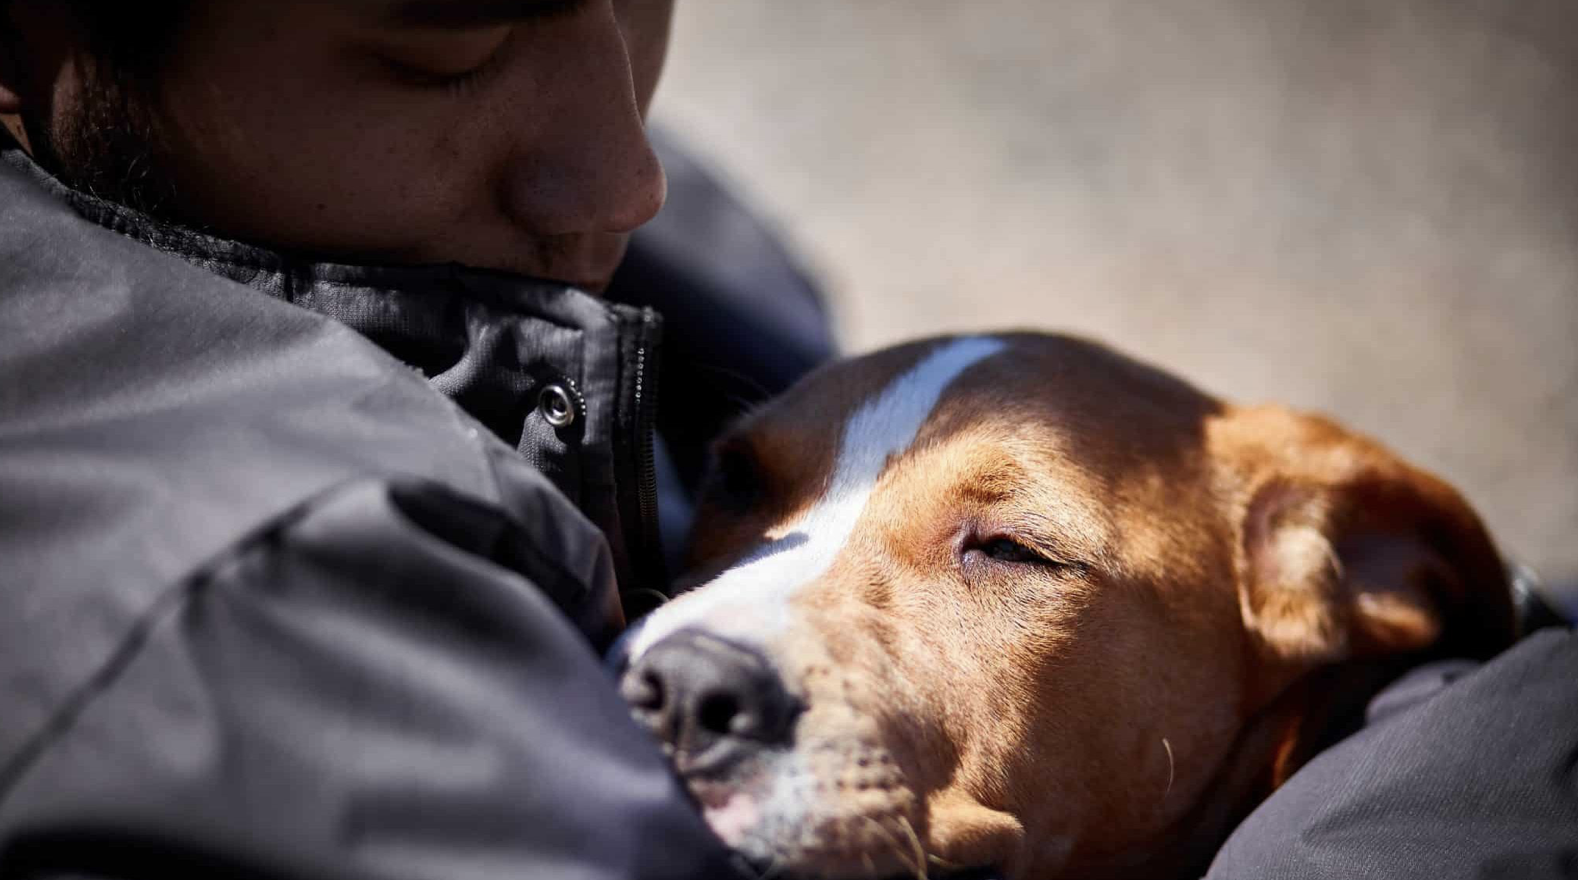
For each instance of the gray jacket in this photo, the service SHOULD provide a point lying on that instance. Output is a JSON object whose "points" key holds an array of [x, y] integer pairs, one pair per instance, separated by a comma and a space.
{"points": [[301, 572]]}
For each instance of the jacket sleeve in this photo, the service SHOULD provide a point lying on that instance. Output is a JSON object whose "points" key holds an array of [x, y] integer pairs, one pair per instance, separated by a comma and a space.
{"points": [[358, 691], [1459, 772]]}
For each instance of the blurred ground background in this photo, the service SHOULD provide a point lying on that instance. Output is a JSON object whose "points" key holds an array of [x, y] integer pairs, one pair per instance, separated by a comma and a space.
{"points": [[1366, 207]]}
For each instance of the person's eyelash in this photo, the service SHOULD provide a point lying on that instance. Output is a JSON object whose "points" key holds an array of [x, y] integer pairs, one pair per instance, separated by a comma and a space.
{"points": [[457, 83], [463, 83]]}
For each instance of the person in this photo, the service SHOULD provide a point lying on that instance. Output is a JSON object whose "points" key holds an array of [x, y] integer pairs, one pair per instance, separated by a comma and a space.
{"points": [[322, 461]]}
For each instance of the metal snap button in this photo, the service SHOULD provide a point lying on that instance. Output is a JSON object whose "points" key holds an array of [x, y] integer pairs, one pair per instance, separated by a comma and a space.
{"points": [[556, 405]]}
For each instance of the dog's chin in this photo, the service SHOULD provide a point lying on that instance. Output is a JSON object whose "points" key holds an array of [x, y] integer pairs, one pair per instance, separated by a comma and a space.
{"points": [[759, 868], [748, 868], [833, 811]]}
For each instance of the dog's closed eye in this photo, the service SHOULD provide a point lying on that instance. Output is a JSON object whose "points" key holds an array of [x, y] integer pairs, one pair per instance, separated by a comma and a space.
{"points": [[1008, 550]]}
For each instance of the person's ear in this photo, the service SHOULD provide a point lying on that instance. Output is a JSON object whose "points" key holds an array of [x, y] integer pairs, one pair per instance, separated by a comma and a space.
{"points": [[10, 64], [1346, 552], [10, 82], [10, 102]]}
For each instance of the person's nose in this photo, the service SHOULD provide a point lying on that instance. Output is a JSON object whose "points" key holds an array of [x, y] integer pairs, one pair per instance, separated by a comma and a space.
{"points": [[710, 701], [583, 163]]}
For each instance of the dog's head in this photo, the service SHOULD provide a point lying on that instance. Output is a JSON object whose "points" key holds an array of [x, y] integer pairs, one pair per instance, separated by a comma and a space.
{"points": [[1021, 602]]}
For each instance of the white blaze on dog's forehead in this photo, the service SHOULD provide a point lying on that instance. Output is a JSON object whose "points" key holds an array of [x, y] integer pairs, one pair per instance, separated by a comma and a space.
{"points": [[751, 600]]}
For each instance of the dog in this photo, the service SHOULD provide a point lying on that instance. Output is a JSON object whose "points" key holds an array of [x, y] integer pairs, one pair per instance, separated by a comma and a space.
{"points": [[1020, 603]]}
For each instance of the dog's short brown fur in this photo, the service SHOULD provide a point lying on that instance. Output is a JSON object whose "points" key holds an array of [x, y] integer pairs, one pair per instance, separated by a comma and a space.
{"points": [[1200, 590]]}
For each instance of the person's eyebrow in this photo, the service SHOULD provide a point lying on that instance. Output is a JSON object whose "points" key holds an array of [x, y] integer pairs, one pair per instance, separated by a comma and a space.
{"points": [[462, 14]]}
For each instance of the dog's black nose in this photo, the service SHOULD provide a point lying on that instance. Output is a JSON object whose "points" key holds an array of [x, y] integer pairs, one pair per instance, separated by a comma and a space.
{"points": [[707, 699]]}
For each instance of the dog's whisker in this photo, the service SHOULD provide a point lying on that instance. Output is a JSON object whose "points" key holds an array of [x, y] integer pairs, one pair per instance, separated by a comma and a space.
{"points": [[899, 850], [887, 838], [1170, 767], [920, 850]]}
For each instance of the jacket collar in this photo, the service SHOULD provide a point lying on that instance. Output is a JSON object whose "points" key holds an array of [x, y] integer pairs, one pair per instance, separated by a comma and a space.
{"points": [[421, 314], [491, 341]]}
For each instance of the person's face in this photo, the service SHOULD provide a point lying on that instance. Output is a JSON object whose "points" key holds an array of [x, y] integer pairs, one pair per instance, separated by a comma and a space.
{"points": [[506, 135]]}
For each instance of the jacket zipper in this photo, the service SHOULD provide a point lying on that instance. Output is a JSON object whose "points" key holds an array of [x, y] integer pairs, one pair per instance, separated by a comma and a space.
{"points": [[648, 550]]}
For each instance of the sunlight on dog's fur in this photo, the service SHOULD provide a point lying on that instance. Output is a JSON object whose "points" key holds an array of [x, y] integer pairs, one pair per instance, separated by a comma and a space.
{"points": [[1035, 606]]}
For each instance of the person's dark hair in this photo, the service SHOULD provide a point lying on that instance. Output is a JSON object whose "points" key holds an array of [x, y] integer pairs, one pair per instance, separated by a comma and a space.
{"points": [[108, 146]]}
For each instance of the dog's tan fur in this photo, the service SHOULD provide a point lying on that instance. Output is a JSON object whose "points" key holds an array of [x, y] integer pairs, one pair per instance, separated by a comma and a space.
{"points": [[1231, 576]]}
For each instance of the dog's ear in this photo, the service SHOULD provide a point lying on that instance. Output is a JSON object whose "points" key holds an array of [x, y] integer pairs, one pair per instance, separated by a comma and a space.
{"points": [[1346, 552]]}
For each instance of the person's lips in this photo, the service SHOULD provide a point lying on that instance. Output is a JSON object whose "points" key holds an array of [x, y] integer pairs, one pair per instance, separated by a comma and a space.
{"points": [[586, 262]]}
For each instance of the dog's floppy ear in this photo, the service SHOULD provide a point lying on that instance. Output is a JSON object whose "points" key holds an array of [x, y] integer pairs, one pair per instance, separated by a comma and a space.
{"points": [[1347, 552]]}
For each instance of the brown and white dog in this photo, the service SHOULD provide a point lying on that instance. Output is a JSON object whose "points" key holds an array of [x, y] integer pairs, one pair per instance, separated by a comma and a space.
{"points": [[1020, 602]]}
